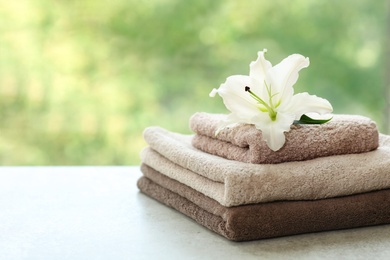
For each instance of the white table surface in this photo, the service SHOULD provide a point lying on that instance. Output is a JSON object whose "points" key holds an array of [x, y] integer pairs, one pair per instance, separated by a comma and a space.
{"points": [[98, 213]]}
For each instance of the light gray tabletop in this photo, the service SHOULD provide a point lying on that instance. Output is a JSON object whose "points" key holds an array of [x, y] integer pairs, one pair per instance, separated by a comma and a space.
{"points": [[98, 213]]}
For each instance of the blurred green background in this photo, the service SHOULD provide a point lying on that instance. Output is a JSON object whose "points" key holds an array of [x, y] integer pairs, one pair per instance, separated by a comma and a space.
{"points": [[81, 79]]}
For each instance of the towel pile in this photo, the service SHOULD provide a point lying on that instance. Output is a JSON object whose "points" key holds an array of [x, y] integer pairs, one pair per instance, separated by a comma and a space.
{"points": [[326, 177]]}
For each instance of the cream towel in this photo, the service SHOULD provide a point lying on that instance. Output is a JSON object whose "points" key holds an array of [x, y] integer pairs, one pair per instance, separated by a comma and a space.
{"points": [[233, 183], [344, 134]]}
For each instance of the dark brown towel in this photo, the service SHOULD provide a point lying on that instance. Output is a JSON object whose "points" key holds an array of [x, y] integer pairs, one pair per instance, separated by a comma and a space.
{"points": [[267, 220], [344, 134]]}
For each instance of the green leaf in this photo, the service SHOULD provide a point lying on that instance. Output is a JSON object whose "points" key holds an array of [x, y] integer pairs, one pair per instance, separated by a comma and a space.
{"points": [[308, 120]]}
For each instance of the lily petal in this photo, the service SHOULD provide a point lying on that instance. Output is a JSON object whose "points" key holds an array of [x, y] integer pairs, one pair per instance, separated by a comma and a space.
{"points": [[235, 98], [303, 103], [258, 69], [213, 92], [231, 120], [273, 131], [284, 75]]}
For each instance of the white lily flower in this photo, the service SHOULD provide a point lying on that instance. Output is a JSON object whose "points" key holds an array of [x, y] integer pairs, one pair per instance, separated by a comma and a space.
{"points": [[266, 98]]}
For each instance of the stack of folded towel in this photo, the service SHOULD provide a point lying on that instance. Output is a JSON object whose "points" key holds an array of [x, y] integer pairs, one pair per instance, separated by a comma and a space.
{"points": [[326, 177]]}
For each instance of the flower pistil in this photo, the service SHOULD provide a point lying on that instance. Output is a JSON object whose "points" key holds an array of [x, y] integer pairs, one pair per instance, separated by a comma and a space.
{"points": [[268, 107]]}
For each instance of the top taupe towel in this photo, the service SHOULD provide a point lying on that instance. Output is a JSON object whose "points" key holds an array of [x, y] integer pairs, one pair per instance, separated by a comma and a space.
{"points": [[344, 134]]}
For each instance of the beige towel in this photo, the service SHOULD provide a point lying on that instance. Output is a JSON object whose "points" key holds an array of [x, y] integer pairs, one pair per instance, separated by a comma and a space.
{"points": [[265, 220], [233, 183], [344, 134]]}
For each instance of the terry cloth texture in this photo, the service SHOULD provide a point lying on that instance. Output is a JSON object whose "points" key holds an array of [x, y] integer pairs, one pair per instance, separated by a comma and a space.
{"points": [[234, 183], [267, 220], [344, 134]]}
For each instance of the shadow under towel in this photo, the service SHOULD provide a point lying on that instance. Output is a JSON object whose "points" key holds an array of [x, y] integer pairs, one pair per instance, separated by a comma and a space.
{"points": [[268, 220], [344, 134], [233, 183]]}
